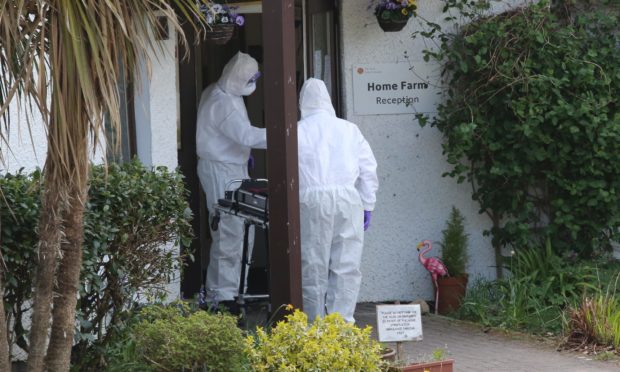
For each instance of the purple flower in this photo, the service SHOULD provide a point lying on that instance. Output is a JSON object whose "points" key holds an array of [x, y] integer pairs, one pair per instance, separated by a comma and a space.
{"points": [[404, 3], [390, 6], [240, 20], [224, 19]]}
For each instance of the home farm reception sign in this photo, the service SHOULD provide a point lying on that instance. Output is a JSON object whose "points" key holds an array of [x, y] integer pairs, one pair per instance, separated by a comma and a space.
{"points": [[395, 88]]}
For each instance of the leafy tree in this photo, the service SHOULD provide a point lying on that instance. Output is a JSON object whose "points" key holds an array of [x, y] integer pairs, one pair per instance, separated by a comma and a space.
{"points": [[531, 120]]}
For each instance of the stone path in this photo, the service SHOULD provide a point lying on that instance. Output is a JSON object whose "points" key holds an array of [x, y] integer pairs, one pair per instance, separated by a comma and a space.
{"points": [[474, 350]]}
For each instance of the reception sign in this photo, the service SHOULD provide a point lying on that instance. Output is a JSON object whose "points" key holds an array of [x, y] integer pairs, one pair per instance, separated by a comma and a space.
{"points": [[395, 88]]}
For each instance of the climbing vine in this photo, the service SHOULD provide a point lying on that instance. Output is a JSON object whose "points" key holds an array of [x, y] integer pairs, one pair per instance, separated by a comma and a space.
{"points": [[531, 118]]}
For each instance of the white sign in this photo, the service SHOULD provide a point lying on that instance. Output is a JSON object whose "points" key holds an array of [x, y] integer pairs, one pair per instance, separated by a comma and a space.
{"points": [[399, 323], [396, 88]]}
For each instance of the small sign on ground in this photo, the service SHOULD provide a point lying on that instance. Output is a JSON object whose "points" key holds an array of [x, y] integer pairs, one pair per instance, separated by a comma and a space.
{"points": [[399, 323]]}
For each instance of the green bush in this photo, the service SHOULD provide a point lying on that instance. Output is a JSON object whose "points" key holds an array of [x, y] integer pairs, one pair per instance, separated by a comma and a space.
{"points": [[531, 119], [454, 244], [328, 344], [131, 213], [542, 286], [19, 216], [171, 338]]}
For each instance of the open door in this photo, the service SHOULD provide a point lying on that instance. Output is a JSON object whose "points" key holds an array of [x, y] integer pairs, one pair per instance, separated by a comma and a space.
{"points": [[316, 55], [204, 67], [322, 45]]}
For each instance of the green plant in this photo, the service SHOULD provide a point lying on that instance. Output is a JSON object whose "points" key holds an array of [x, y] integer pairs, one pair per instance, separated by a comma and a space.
{"points": [[394, 9], [439, 354], [130, 214], [540, 288], [454, 244], [328, 344], [531, 119], [549, 273], [596, 320], [19, 213], [172, 338]]}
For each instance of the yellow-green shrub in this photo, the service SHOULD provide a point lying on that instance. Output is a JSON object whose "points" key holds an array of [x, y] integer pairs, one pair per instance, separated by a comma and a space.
{"points": [[328, 344]]}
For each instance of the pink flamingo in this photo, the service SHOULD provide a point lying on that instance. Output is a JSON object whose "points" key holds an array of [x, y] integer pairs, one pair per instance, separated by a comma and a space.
{"points": [[433, 265]]}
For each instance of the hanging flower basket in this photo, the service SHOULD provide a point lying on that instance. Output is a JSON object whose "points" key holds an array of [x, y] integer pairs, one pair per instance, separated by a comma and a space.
{"points": [[393, 15], [392, 25], [219, 34], [221, 22]]}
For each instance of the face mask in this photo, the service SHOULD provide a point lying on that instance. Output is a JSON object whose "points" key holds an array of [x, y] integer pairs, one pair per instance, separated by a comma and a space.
{"points": [[254, 77], [249, 89]]}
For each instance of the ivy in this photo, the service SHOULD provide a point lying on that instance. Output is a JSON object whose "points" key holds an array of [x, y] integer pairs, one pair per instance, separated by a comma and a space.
{"points": [[531, 119]]}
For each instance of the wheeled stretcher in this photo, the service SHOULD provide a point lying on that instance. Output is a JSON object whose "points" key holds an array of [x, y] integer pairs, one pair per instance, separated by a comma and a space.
{"points": [[247, 199]]}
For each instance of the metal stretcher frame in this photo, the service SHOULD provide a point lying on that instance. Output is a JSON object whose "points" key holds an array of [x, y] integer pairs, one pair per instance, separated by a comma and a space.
{"points": [[246, 260]]}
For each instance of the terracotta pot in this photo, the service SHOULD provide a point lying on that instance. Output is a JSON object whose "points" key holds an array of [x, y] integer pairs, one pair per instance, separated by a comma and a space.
{"points": [[451, 293], [390, 25], [439, 366]]}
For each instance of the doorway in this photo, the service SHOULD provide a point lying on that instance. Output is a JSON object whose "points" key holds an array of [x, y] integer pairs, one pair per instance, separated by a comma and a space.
{"points": [[315, 35]]}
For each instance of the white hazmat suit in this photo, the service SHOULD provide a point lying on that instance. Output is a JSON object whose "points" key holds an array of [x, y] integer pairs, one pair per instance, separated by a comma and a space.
{"points": [[337, 182], [224, 138]]}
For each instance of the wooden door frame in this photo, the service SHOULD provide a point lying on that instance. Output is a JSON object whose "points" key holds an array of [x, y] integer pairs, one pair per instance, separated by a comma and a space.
{"points": [[190, 88]]}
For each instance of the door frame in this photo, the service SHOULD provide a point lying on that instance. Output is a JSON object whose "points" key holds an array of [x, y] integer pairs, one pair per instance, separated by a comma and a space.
{"points": [[321, 6]]}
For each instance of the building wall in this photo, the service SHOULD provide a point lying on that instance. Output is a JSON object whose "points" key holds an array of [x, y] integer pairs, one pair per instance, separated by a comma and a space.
{"points": [[157, 118], [414, 200]]}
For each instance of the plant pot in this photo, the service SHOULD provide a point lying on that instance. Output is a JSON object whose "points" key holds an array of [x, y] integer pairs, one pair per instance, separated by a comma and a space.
{"points": [[391, 25], [438, 366], [451, 293], [219, 34]]}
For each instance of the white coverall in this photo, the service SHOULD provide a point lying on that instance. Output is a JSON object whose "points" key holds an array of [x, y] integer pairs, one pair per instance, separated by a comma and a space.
{"points": [[224, 138], [337, 182]]}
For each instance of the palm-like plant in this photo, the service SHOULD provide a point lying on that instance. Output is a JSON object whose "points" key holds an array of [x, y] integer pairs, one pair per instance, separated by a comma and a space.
{"points": [[63, 58]]}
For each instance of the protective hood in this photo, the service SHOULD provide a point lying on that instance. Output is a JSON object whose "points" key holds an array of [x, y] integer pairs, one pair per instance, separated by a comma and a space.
{"points": [[315, 98], [236, 75]]}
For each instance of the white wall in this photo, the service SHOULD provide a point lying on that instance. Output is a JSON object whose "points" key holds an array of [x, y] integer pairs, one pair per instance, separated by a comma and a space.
{"points": [[157, 115], [26, 147], [414, 200]]}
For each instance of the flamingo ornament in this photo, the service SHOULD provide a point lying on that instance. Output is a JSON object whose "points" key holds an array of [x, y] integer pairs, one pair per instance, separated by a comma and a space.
{"points": [[433, 265]]}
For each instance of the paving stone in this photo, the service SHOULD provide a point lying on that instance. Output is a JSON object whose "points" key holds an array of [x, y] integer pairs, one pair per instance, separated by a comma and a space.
{"points": [[474, 350]]}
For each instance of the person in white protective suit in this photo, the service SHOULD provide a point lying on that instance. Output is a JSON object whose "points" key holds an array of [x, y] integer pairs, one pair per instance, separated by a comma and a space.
{"points": [[224, 138], [337, 187]]}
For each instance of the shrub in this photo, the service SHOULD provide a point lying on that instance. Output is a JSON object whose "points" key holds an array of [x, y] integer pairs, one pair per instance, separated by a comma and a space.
{"points": [[542, 286], [328, 344], [454, 244], [171, 338], [19, 216], [131, 213], [531, 120]]}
